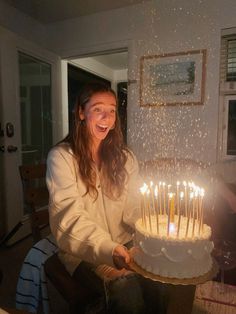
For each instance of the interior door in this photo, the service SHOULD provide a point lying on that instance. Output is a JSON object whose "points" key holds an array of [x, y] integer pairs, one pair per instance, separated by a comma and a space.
{"points": [[29, 126]]}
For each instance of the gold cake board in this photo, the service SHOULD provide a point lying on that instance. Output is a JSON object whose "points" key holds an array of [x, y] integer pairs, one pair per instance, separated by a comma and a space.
{"points": [[174, 281]]}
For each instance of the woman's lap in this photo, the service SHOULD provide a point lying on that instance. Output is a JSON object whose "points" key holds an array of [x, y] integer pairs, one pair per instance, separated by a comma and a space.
{"points": [[122, 291]]}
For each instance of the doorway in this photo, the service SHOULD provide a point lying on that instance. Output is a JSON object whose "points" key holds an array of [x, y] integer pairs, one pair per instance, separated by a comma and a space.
{"points": [[110, 68]]}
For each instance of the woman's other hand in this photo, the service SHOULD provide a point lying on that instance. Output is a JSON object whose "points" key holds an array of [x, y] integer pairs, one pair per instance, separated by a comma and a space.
{"points": [[121, 257]]}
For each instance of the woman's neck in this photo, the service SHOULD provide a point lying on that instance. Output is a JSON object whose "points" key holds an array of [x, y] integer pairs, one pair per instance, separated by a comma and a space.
{"points": [[95, 155]]}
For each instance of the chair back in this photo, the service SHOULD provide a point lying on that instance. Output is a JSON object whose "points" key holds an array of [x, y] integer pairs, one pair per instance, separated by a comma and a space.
{"points": [[35, 197]]}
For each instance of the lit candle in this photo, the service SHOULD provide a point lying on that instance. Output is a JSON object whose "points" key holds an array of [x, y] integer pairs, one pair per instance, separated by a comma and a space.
{"points": [[170, 211], [189, 215], [152, 197], [156, 198], [164, 198], [143, 204], [185, 198], [160, 200], [149, 210], [172, 208], [177, 195], [195, 208], [179, 214], [202, 192]]}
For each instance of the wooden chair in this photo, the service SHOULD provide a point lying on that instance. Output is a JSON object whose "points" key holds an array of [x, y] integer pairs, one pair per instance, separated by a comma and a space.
{"points": [[36, 202], [35, 197]]}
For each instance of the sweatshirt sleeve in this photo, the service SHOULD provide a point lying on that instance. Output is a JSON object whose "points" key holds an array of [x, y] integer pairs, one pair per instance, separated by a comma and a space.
{"points": [[70, 223], [132, 210]]}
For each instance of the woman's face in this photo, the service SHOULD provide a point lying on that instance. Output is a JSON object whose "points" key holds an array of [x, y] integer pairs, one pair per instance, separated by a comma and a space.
{"points": [[100, 115]]}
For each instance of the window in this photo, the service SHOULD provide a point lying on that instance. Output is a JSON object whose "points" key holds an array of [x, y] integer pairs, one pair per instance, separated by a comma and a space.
{"points": [[231, 60], [230, 125], [228, 95]]}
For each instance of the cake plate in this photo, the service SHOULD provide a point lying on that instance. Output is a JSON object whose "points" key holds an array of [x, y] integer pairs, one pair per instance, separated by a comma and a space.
{"points": [[174, 281]]}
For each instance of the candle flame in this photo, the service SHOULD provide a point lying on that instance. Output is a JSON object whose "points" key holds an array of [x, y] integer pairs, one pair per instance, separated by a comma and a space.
{"points": [[202, 192], [144, 188], [171, 195], [172, 228], [156, 191]]}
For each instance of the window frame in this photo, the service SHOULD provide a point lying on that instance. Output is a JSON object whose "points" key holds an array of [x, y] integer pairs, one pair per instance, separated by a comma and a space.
{"points": [[227, 99]]}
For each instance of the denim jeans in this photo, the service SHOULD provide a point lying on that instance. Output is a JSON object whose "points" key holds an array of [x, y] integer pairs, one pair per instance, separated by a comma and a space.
{"points": [[129, 294]]}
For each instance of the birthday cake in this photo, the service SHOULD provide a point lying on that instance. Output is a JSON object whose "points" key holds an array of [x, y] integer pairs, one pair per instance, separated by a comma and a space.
{"points": [[171, 240]]}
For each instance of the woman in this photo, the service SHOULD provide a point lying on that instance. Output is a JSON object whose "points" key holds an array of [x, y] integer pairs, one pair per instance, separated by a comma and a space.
{"points": [[93, 182]]}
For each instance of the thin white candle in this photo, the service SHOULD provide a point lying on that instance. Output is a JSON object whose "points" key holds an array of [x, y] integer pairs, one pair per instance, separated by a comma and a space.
{"points": [[185, 198], [156, 198], [149, 210], [202, 193], [143, 190], [164, 197], [179, 214], [189, 215], [160, 198], [170, 195]]}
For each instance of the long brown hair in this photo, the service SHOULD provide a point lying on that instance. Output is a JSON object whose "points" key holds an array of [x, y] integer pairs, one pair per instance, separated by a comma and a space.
{"points": [[113, 153]]}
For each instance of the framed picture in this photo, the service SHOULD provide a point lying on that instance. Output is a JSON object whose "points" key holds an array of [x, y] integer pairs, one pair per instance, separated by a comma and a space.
{"points": [[173, 79]]}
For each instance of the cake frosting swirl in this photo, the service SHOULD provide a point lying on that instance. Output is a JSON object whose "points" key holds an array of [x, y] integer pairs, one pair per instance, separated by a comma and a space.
{"points": [[170, 254]]}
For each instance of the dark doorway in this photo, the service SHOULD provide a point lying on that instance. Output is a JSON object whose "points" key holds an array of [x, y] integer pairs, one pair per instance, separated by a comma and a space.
{"points": [[77, 78], [122, 107]]}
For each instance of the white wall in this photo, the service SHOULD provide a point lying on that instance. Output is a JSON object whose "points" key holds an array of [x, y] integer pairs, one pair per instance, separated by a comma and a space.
{"points": [[163, 26]]}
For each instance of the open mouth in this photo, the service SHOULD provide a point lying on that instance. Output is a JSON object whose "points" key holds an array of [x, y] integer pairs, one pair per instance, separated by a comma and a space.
{"points": [[101, 128]]}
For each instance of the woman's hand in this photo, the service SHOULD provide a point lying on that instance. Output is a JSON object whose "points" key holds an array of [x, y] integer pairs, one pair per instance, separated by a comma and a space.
{"points": [[121, 257]]}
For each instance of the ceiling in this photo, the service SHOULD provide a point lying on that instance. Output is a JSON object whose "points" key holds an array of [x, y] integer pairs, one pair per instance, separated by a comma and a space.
{"points": [[50, 11]]}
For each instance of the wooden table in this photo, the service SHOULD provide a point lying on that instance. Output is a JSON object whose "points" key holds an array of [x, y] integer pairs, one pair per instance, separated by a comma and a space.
{"points": [[214, 298]]}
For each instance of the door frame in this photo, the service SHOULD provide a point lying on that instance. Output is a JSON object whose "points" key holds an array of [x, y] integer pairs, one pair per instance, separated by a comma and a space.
{"points": [[10, 45]]}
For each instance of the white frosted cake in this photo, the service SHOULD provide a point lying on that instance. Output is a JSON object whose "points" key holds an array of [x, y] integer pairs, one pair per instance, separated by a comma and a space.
{"points": [[171, 254]]}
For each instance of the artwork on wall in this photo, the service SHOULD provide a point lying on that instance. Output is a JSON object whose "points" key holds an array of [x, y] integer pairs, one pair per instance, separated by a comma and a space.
{"points": [[173, 79]]}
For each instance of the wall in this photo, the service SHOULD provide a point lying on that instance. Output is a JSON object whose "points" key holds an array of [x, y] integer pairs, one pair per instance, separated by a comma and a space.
{"points": [[163, 26]]}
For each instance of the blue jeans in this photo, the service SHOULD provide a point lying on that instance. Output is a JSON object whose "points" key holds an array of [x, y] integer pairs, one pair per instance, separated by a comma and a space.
{"points": [[130, 294]]}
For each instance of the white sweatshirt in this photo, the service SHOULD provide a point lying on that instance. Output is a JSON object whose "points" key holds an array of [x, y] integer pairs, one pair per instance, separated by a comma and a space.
{"points": [[83, 228]]}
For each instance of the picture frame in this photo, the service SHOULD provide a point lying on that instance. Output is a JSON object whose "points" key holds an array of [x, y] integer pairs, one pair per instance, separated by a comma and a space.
{"points": [[173, 79]]}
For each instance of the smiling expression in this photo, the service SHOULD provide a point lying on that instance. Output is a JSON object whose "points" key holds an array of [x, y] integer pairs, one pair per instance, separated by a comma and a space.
{"points": [[100, 115]]}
